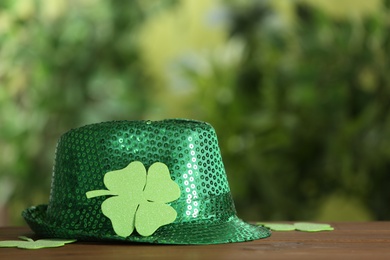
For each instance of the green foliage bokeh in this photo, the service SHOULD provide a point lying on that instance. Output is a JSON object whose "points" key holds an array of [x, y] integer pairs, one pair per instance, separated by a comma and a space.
{"points": [[301, 109], [309, 117], [58, 71]]}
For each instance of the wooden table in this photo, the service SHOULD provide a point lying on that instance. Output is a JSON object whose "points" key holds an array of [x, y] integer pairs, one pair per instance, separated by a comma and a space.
{"points": [[369, 240]]}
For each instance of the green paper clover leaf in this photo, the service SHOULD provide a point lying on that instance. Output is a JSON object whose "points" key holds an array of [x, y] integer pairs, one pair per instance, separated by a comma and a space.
{"points": [[300, 226], [138, 198], [38, 244], [312, 227], [278, 226]]}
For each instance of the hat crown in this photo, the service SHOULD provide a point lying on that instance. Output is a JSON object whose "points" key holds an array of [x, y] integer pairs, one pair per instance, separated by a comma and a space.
{"points": [[188, 148]]}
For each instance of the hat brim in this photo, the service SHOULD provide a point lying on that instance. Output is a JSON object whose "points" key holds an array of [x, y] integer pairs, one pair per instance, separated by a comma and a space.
{"points": [[232, 230]]}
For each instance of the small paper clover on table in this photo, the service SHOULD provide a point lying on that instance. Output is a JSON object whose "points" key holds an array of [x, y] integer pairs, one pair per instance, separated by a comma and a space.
{"points": [[300, 226], [138, 198], [28, 243], [312, 227]]}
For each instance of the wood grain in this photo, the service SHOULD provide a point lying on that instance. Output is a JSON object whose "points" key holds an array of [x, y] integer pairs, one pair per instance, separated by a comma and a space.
{"points": [[369, 240]]}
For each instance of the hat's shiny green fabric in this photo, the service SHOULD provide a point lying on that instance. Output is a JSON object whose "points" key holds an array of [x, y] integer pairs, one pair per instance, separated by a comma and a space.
{"points": [[205, 208]]}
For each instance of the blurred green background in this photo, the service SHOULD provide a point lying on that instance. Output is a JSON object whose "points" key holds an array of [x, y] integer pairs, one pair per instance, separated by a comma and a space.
{"points": [[298, 92]]}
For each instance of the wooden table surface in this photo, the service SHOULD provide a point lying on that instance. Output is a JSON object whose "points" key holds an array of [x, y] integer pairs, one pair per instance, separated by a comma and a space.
{"points": [[368, 240]]}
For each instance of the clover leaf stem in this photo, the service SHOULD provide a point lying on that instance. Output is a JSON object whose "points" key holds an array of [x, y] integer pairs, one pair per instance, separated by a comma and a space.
{"points": [[97, 193], [26, 238]]}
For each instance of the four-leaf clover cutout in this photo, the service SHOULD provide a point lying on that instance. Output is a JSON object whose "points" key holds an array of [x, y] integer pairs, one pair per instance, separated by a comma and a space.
{"points": [[28, 243], [300, 226], [138, 198]]}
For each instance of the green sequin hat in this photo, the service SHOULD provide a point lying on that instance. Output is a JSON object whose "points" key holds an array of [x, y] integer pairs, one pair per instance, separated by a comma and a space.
{"points": [[141, 181]]}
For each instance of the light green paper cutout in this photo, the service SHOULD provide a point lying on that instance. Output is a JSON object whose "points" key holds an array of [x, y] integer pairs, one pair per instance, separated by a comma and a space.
{"points": [[312, 227], [278, 226], [300, 226], [38, 244], [138, 198]]}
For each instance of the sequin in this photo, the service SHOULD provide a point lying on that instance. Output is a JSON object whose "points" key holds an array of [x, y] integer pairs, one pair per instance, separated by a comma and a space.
{"points": [[205, 209]]}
